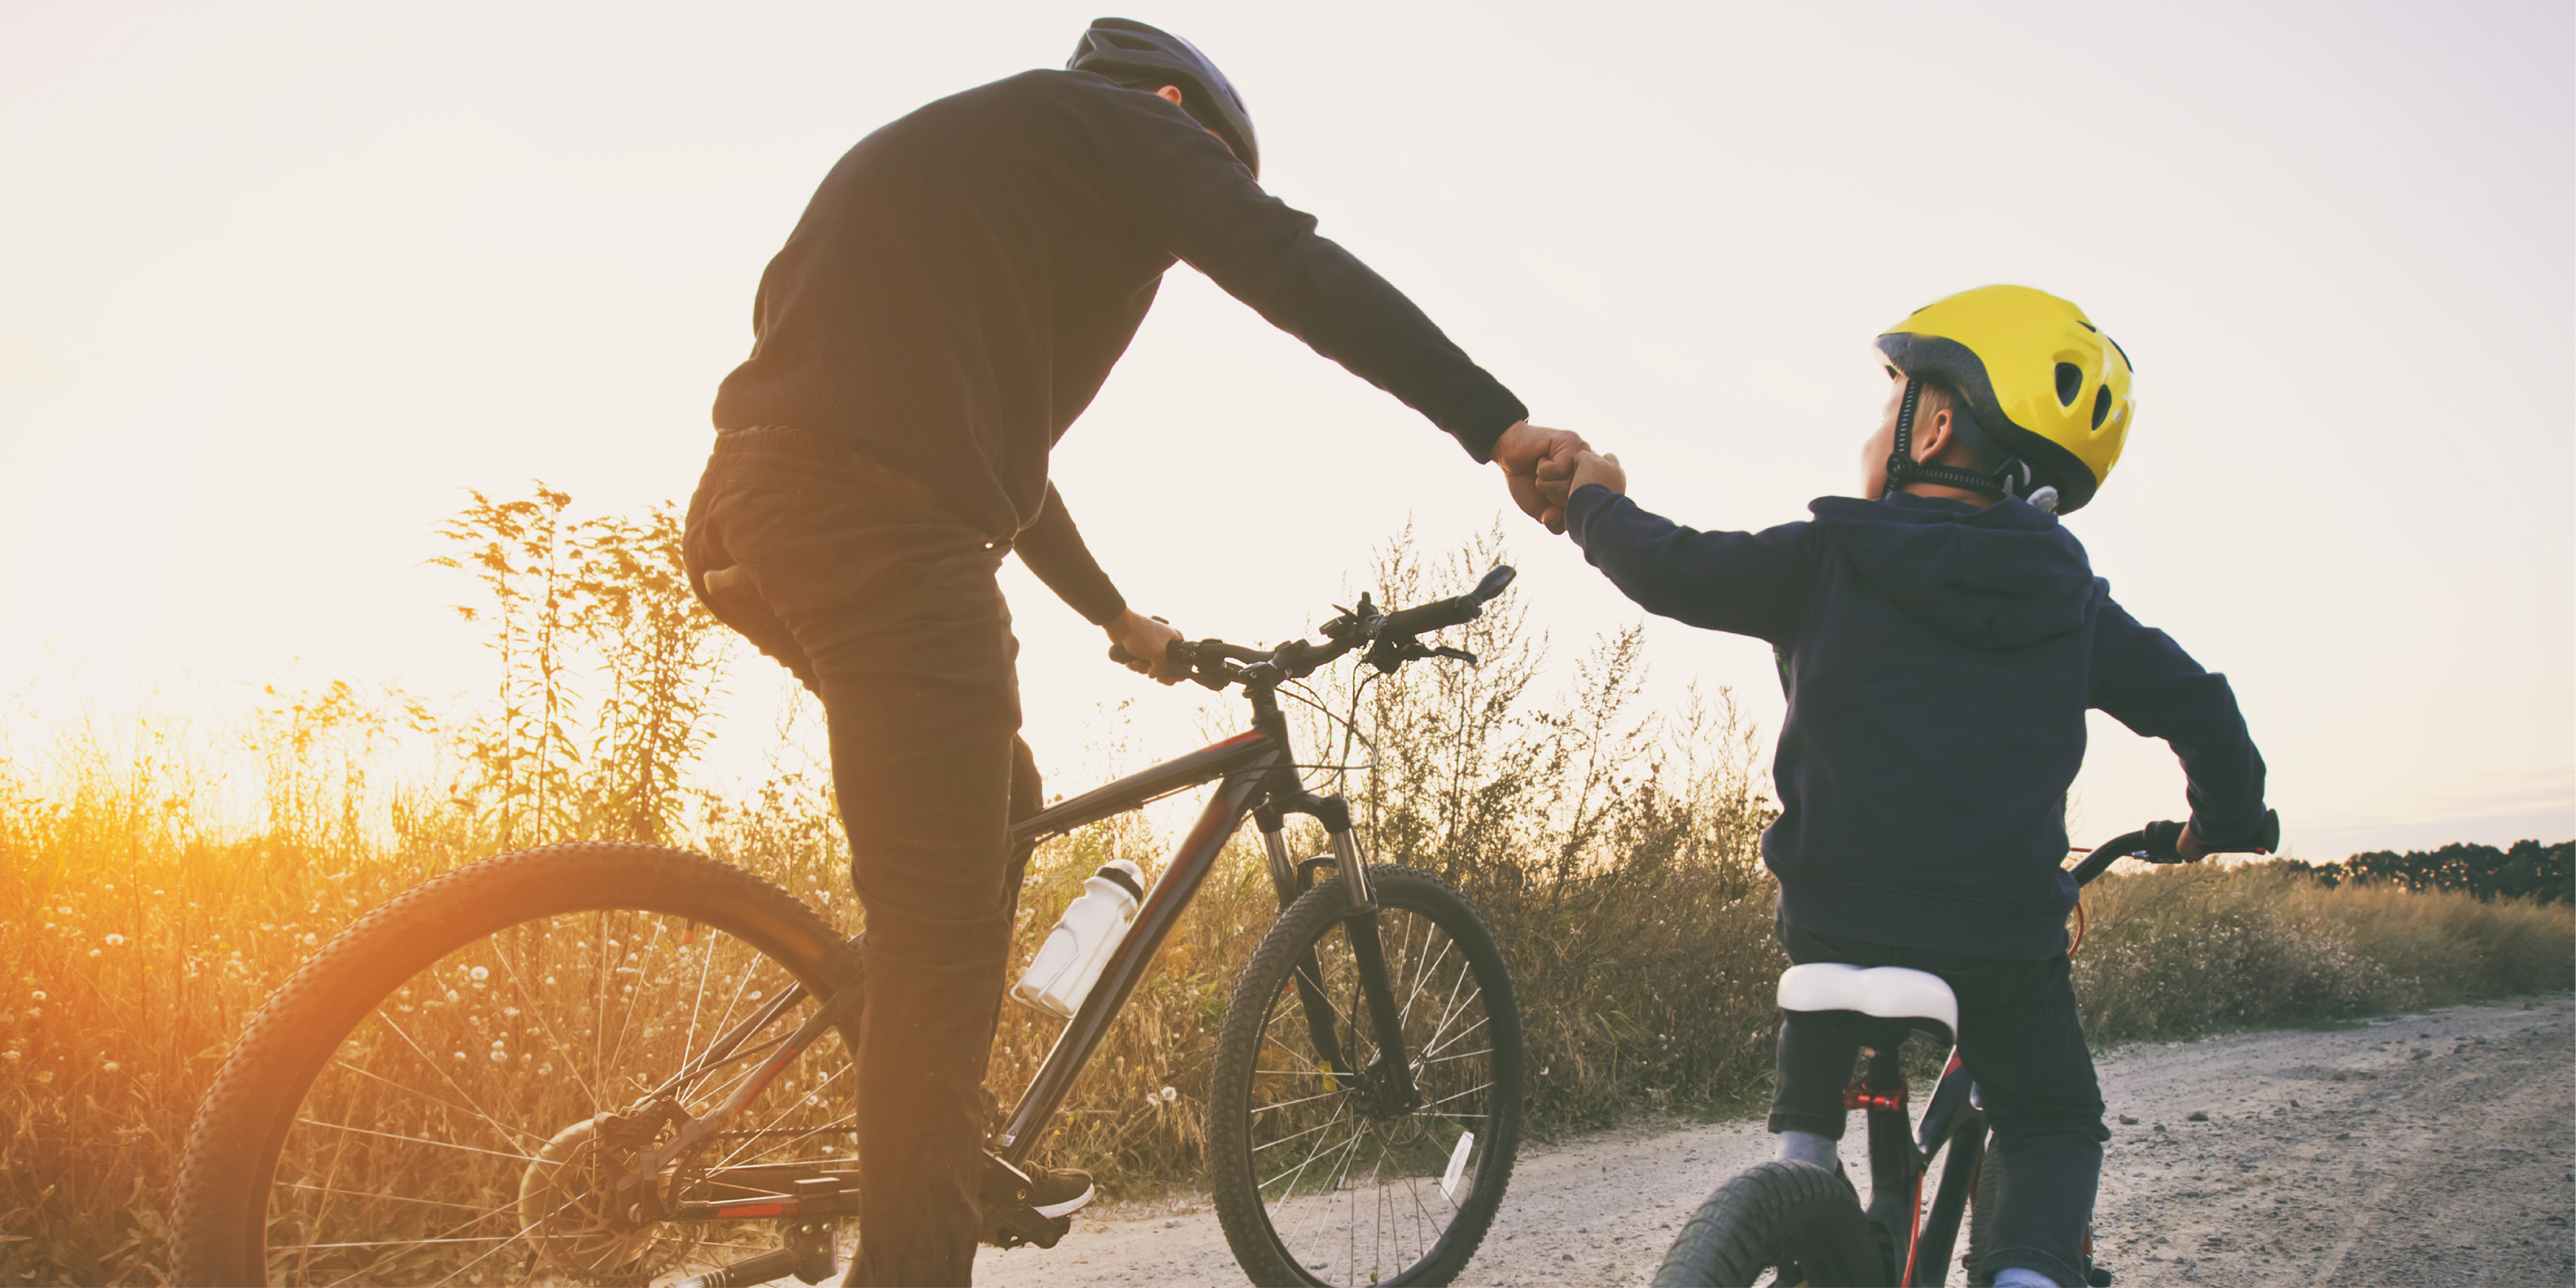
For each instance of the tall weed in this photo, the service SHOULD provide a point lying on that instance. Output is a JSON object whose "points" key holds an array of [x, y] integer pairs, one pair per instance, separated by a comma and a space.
{"points": [[1615, 850]]}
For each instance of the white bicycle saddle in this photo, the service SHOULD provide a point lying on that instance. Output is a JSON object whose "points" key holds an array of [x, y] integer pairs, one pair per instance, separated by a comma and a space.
{"points": [[1896, 993]]}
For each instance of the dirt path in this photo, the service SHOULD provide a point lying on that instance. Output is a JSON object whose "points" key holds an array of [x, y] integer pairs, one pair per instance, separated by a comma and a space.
{"points": [[2433, 1149]]}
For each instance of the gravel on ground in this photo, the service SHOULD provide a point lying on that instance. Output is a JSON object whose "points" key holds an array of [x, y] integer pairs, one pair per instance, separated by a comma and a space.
{"points": [[2427, 1149]]}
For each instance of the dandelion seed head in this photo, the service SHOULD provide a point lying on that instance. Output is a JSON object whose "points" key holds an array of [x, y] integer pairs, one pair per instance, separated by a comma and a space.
{"points": [[115, 941], [93, 952], [479, 974], [39, 995], [112, 1067]]}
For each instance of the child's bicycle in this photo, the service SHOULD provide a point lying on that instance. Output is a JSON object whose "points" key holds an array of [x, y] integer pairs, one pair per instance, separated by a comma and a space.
{"points": [[1803, 1224], [614, 1063]]}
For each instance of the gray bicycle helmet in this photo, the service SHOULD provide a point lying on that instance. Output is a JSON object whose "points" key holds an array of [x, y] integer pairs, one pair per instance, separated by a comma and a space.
{"points": [[1130, 53]]}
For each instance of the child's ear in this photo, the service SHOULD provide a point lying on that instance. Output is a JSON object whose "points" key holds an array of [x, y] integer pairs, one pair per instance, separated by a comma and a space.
{"points": [[1932, 435]]}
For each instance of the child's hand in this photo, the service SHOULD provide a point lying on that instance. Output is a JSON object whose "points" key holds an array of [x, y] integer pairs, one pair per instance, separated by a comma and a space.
{"points": [[1594, 467]]}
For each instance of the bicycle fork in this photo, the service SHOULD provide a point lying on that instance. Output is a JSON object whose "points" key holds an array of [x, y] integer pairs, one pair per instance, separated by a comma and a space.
{"points": [[1391, 1078]]}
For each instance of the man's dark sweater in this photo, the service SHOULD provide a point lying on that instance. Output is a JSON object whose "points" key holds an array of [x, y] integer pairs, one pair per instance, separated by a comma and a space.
{"points": [[1939, 659], [965, 277]]}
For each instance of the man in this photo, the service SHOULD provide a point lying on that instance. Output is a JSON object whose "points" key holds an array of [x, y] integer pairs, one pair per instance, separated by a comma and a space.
{"points": [[954, 295]]}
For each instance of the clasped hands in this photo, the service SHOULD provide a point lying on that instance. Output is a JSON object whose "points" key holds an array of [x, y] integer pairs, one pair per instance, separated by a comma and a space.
{"points": [[1542, 467]]}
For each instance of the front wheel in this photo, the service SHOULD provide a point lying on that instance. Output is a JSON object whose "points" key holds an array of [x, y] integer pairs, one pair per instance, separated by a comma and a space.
{"points": [[1797, 1221], [1323, 1172]]}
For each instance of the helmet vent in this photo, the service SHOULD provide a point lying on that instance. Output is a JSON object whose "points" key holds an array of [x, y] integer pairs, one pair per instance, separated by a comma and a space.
{"points": [[2070, 382], [2101, 406]]}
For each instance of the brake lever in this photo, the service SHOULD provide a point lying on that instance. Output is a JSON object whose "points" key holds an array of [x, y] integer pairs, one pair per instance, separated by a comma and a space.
{"points": [[1458, 653]]}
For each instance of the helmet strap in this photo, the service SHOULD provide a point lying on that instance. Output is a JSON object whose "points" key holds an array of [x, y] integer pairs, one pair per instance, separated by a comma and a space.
{"points": [[1902, 468]]}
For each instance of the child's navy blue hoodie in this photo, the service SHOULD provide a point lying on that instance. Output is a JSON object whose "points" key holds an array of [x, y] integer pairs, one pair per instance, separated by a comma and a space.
{"points": [[1939, 659]]}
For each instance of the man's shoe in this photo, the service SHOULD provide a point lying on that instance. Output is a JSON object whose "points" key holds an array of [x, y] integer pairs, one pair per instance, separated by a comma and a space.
{"points": [[1059, 1191]]}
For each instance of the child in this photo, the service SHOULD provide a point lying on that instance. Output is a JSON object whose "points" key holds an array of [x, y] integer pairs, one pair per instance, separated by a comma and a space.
{"points": [[1940, 643]]}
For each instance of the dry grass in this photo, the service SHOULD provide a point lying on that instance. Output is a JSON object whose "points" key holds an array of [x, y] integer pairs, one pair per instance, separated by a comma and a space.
{"points": [[1614, 851], [2179, 952]]}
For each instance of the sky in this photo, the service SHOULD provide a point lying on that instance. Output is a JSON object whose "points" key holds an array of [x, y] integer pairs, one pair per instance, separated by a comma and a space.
{"points": [[279, 281]]}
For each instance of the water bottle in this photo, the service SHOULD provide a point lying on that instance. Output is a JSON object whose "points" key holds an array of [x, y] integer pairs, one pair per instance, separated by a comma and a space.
{"points": [[1070, 961]]}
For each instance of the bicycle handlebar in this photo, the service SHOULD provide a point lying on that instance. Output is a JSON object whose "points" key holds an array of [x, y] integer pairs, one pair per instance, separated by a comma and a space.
{"points": [[2159, 843], [1441, 614], [1389, 637]]}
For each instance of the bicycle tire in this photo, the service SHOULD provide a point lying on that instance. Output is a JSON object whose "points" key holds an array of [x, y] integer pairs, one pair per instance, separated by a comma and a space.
{"points": [[1772, 1217], [1986, 1199], [221, 1212], [1247, 1028]]}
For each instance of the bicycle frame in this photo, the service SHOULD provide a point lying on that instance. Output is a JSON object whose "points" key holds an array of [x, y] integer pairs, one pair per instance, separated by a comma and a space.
{"points": [[1259, 778], [1256, 774], [1900, 1156]]}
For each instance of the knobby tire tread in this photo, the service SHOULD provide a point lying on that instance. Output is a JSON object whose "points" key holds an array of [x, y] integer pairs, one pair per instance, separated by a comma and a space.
{"points": [[1987, 1196], [1231, 1178], [1776, 1212], [219, 1212]]}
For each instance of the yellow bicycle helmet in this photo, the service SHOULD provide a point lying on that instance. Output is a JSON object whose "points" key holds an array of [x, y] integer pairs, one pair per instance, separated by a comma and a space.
{"points": [[2045, 389]]}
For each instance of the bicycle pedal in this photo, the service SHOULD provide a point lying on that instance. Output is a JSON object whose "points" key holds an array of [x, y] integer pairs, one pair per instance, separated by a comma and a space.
{"points": [[1009, 1220], [1021, 1225]]}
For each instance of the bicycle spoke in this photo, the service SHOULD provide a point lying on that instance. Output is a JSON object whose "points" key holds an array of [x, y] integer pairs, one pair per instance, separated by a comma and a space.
{"points": [[545, 1021], [792, 1106], [409, 1163], [1298, 1101], [450, 1079], [1358, 1205]]}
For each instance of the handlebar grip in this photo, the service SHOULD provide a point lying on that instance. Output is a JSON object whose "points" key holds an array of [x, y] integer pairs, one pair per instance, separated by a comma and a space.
{"points": [[1439, 614], [1179, 655], [2163, 842]]}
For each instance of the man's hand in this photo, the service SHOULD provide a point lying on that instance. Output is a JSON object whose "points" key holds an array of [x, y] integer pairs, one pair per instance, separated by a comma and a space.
{"points": [[1592, 467], [1144, 637], [2189, 847], [1538, 465]]}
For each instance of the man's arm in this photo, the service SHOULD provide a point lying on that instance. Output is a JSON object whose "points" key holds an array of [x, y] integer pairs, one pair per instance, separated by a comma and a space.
{"points": [[1750, 583], [1052, 548], [2145, 681], [1187, 194]]}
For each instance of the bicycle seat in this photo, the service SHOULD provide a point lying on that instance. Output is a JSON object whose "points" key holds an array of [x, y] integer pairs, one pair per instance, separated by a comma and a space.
{"points": [[1902, 997]]}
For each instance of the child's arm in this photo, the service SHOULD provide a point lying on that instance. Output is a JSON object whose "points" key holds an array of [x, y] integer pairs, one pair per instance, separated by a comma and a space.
{"points": [[1750, 583], [2145, 680]]}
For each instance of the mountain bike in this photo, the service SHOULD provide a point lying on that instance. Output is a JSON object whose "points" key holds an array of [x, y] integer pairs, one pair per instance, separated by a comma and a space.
{"points": [[615, 1063], [1805, 1225]]}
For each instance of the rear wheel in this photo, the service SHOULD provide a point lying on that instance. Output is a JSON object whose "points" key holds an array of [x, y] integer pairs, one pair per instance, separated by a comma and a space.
{"points": [[1778, 1223], [1321, 1172], [464, 1087]]}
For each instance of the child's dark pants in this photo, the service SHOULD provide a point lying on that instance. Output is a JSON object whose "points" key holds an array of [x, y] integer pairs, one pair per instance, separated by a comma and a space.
{"points": [[2021, 1040], [886, 606]]}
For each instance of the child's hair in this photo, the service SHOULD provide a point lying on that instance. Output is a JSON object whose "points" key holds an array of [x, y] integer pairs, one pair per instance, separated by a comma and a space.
{"points": [[1978, 448]]}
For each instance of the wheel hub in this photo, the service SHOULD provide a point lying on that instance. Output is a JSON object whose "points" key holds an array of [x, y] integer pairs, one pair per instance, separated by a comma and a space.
{"points": [[582, 1223]]}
